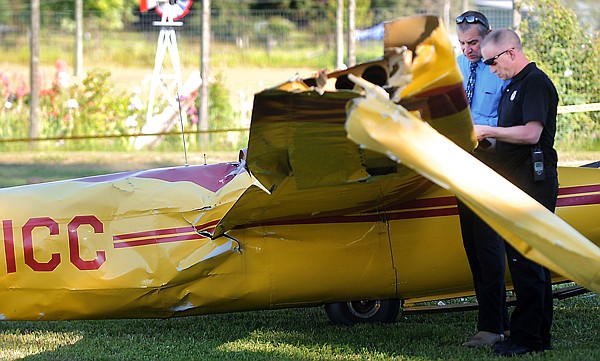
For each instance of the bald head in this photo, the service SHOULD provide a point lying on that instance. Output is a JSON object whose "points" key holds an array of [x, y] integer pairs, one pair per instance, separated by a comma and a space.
{"points": [[502, 38], [503, 52]]}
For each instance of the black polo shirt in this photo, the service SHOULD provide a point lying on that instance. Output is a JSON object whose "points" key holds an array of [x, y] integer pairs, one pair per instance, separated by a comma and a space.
{"points": [[529, 96]]}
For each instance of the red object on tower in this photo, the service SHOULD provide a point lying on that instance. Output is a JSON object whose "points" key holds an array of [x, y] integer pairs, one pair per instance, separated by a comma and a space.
{"points": [[182, 7]]}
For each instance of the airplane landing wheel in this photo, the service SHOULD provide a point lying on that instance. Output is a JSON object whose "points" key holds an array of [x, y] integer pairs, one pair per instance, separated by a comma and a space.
{"points": [[365, 311]]}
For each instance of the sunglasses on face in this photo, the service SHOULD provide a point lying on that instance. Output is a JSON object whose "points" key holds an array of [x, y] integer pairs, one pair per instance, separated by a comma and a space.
{"points": [[472, 19], [492, 61]]}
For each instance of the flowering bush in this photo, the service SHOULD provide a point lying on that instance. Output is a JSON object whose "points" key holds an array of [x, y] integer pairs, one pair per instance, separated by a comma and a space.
{"points": [[68, 109], [94, 108]]}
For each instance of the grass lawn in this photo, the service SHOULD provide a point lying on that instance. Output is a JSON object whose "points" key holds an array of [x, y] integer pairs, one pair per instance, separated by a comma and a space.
{"points": [[20, 168], [292, 334]]}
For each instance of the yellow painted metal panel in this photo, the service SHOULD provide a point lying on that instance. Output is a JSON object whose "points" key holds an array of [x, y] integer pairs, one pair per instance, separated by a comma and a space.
{"points": [[329, 221], [381, 125]]}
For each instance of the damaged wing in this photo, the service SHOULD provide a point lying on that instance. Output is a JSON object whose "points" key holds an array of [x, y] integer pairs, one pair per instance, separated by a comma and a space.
{"points": [[380, 125]]}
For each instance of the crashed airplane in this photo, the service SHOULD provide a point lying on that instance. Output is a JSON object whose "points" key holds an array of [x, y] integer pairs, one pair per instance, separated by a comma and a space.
{"points": [[345, 197]]}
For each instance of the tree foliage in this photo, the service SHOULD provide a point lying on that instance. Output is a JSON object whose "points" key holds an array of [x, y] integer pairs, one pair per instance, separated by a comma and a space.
{"points": [[110, 13], [570, 55]]}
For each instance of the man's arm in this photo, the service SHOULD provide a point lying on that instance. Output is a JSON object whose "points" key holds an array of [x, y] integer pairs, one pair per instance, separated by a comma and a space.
{"points": [[521, 134]]}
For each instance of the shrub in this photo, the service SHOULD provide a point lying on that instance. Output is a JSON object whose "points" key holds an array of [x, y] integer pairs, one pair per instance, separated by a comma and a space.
{"points": [[570, 55], [95, 108]]}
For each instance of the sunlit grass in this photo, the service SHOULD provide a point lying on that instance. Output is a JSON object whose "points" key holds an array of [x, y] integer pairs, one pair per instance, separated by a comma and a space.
{"points": [[19, 168], [18, 344], [291, 334], [137, 49]]}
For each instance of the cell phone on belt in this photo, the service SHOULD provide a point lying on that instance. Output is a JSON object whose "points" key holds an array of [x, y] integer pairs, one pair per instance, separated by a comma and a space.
{"points": [[537, 160]]}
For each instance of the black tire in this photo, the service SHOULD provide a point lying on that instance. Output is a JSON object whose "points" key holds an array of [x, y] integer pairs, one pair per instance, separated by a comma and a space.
{"points": [[366, 311]]}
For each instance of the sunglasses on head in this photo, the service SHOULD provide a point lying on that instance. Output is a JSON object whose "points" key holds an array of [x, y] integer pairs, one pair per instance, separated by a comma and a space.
{"points": [[472, 19], [492, 61]]}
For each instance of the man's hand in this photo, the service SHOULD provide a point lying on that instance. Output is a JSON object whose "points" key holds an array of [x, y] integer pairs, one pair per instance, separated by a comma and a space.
{"points": [[519, 134]]}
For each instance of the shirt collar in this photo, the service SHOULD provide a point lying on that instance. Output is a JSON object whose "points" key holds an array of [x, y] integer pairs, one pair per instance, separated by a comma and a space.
{"points": [[523, 73], [480, 64]]}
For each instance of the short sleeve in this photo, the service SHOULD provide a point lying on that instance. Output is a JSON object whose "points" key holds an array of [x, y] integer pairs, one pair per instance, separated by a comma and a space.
{"points": [[536, 100]]}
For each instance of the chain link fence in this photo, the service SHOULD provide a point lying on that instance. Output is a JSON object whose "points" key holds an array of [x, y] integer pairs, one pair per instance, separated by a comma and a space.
{"points": [[131, 41], [266, 38]]}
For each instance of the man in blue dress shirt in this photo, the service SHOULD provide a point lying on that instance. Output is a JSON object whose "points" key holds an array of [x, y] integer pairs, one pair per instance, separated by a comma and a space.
{"points": [[484, 249]]}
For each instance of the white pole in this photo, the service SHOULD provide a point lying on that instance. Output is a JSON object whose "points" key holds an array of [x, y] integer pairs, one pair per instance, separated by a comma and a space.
{"points": [[351, 29], [79, 38], [339, 35], [34, 85], [204, 71]]}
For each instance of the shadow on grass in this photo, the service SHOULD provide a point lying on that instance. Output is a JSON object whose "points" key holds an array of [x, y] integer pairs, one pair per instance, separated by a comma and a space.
{"points": [[300, 334]]}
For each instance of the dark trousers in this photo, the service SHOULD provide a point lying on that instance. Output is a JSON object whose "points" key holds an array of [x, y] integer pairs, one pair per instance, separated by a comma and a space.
{"points": [[486, 255], [531, 320]]}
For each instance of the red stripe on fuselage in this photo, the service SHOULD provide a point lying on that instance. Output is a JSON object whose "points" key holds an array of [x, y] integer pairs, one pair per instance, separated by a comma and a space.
{"points": [[581, 199], [145, 242], [165, 235], [578, 200], [429, 202], [579, 189], [163, 232], [153, 233], [431, 207], [418, 208]]}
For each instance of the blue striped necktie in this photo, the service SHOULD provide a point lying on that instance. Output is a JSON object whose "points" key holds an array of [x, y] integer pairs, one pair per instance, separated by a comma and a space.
{"points": [[471, 82]]}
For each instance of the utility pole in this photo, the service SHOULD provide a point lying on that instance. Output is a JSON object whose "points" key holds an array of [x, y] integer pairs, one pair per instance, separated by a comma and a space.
{"points": [[517, 16], [204, 72], [79, 38], [339, 35], [34, 81], [351, 29], [446, 17]]}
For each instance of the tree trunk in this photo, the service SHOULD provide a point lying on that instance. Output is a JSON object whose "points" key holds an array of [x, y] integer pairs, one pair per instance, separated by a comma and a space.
{"points": [[34, 85], [339, 35], [79, 38], [351, 29], [204, 73]]}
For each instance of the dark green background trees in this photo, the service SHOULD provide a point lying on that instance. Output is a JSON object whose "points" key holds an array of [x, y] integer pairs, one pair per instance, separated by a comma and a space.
{"points": [[570, 54]]}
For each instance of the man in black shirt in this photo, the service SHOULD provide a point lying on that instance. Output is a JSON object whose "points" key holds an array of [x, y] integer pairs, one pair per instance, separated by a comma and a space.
{"points": [[526, 157]]}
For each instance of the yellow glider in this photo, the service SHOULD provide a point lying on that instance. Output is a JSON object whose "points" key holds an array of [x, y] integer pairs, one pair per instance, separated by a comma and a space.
{"points": [[305, 217]]}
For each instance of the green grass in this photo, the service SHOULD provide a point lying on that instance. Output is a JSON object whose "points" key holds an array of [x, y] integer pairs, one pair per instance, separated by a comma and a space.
{"points": [[16, 174], [20, 168], [293, 334], [134, 49]]}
